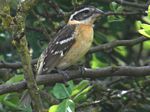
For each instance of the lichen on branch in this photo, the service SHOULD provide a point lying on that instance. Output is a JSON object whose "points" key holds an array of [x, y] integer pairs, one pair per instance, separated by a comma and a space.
{"points": [[20, 42]]}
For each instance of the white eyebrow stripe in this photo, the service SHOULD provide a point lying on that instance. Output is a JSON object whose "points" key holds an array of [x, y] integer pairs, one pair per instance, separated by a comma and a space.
{"points": [[78, 12]]}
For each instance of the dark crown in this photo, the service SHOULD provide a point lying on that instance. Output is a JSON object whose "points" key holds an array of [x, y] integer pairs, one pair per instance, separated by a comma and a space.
{"points": [[83, 13]]}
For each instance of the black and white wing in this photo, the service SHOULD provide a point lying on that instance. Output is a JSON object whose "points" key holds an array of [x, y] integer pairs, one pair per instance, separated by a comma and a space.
{"points": [[56, 49]]}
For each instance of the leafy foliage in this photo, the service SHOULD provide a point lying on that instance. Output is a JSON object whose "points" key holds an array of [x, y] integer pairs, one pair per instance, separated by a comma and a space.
{"points": [[72, 95], [110, 94], [145, 28]]}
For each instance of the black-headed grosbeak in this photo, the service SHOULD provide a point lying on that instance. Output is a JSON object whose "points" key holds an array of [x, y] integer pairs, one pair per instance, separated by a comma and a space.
{"points": [[71, 43]]}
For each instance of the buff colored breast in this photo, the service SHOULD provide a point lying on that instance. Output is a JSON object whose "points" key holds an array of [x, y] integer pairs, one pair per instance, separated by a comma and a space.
{"points": [[84, 38]]}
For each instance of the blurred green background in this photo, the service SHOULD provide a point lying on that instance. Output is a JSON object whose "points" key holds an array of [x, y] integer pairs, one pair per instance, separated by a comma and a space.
{"points": [[115, 94]]}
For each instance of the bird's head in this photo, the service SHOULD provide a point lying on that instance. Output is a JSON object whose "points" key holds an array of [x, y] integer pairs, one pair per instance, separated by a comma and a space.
{"points": [[86, 15]]}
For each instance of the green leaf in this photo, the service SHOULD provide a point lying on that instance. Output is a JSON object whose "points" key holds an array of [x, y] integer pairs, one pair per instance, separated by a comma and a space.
{"points": [[14, 79], [122, 50], [2, 97], [113, 6], [82, 95], [142, 31], [11, 104], [119, 9], [145, 31], [146, 19], [148, 32], [71, 86], [116, 8], [53, 108], [80, 91], [138, 25], [66, 106], [60, 91], [13, 97], [82, 85], [145, 27]]}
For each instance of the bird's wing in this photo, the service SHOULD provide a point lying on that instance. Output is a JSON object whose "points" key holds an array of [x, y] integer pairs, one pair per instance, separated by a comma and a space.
{"points": [[57, 49]]}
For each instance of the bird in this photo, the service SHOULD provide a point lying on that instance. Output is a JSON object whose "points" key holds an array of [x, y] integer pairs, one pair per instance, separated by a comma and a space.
{"points": [[69, 45], [71, 42]]}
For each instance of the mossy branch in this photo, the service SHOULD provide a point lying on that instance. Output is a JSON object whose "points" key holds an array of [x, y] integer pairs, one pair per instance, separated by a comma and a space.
{"points": [[21, 44], [23, 51]]}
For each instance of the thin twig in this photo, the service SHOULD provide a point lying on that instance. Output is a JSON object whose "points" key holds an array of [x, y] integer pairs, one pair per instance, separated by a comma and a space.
{"points": [[125, 13], [116, 43], [132, 4], [16, 65]]}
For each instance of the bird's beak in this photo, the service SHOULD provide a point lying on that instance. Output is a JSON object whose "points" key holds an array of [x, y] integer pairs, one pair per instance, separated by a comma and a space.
{"points": [[99, 12]]}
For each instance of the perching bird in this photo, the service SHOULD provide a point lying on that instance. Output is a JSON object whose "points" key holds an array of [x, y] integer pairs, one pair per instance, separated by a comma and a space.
{"points": [[71, 43]]}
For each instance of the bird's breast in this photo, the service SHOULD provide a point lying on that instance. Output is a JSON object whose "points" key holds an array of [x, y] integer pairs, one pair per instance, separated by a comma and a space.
{"points": [[84, 38]]}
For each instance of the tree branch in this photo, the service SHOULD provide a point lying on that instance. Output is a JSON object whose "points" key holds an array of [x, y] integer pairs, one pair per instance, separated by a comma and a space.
{"points": [[132, 4], [102, 47], [16, 65], [21, 44], [116, 43], [125, 13], [51, 79]]}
